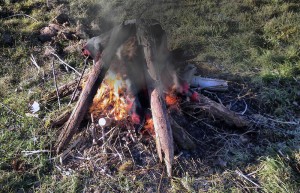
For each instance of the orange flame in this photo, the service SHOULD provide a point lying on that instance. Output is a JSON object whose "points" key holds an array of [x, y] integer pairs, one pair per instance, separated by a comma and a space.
{"points": [[110, 99], [171, 100]]}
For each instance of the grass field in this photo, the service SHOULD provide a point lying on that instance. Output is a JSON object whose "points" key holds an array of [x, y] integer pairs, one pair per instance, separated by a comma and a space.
{"points": [[254, 44]]}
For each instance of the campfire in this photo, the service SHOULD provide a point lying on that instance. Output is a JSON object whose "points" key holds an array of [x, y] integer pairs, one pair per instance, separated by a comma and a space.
{"points": [[134, 84]]}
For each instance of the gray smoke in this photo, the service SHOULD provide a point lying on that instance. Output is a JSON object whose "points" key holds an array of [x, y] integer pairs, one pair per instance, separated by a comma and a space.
{"points": [[99, 16]]}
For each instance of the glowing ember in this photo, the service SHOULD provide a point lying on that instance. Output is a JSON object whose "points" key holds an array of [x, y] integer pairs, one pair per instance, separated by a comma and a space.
{"points": [[110, 99], [149, 126], [171, 100]]}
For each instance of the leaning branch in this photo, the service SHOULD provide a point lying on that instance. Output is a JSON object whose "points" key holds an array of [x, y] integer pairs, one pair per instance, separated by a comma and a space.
{"points": [[34, 62], [79, 81], [118, 36], [55, 83], [65, 63]]}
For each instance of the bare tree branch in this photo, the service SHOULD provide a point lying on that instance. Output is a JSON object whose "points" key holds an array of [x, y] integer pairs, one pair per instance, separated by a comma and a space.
{"points": [[55, 83]]}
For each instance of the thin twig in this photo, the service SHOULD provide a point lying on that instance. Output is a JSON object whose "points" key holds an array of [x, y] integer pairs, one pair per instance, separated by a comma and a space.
{"points": [[76, 88], [10, 110], [92, 128], [34, 62], [284, 122], [65, 63], [119, 154], [104, 141], [82, 158], [246, 108], [101, 138], [130, 154], [246, 178], [55, 84], [160, 181], [21, 14], [27, 153], [65, 154], [214, 94]]}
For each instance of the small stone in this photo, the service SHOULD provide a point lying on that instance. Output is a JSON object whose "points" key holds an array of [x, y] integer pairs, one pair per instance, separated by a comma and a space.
{"points": [[95, 25], [48, 51], [51, 31], [72, 49], [102, 122], [35, 107]]}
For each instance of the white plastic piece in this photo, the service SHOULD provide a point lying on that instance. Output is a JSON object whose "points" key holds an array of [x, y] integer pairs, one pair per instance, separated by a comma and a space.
{"points": [[102, 122], [35, 107], [208, 83]]}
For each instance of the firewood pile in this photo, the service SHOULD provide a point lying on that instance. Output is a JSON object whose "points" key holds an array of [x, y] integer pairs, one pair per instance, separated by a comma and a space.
{"points": [[134, 96]]}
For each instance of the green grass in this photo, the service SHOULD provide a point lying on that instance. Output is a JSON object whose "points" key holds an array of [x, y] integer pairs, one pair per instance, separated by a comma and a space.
{"points": [[277, 176], [253, 41]]}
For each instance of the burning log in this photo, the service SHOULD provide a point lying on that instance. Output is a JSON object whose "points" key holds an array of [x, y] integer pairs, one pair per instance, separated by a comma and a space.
{"points": [[118, 36], [153, 39]]}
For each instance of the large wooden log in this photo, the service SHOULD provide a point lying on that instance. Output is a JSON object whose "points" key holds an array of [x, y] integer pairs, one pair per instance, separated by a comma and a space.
{"points": [[61, 119], [63, 91], [118, 36], [220, 111], [152, 38]]}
